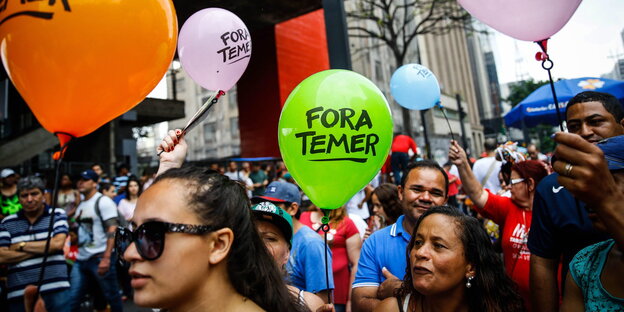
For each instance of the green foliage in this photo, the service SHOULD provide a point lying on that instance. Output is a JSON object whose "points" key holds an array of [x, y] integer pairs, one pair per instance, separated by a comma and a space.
{"points": [[543, 133], [519, 90]]}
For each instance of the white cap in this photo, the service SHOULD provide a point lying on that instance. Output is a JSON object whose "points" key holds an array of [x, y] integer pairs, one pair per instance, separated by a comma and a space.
{"points": [[6, 173]]}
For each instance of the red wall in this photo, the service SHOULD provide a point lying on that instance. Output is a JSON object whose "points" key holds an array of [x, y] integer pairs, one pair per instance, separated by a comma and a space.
{"points": [[282, 56], [301, 50]]}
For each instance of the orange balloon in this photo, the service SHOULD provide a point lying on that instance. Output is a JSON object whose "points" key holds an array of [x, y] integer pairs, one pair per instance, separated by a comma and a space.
{"points": [[81, 63]]}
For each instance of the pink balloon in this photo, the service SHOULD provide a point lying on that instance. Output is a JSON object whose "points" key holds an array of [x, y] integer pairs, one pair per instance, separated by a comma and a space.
{"points": [[529, 20], [214, 48]]}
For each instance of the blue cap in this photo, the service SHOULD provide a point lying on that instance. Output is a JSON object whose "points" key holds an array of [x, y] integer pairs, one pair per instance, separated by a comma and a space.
{"points": [[613, 149], [280, 192], [90, 175]]}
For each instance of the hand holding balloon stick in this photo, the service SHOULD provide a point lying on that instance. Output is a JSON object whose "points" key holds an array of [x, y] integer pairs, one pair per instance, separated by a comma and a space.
{"points": [[214, 48], [200, 115]]}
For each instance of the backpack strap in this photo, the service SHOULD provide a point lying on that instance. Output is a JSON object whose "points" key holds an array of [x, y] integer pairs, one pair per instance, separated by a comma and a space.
{"points": [[98, 213], [488, 174]]}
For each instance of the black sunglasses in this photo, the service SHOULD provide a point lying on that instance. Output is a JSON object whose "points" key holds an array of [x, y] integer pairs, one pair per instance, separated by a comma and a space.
{"points": [[149, 238]]}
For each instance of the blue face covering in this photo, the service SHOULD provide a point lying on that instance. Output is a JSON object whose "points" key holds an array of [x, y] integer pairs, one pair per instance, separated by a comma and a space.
{"points": [[613, 149]]}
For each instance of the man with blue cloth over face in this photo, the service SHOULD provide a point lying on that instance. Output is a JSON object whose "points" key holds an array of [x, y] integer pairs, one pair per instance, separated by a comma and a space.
{"points": [[561, 226], [595, 175]]}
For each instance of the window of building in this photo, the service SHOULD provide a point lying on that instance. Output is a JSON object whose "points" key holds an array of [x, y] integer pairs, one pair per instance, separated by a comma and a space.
{"points": [[232, 99], [378, 71], [234, 130], [179, 82], [210, 133]]}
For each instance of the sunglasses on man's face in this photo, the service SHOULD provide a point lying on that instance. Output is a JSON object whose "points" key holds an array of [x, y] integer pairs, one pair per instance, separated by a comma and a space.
{"points": [[149, 238]]}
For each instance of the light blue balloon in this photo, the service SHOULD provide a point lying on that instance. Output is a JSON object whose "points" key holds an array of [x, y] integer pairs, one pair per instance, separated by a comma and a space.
{"points": [[414, 86]]}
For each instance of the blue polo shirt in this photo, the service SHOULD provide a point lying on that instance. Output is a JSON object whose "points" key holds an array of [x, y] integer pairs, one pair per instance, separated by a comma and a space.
{"points": [[384, 248], [15, 229]]}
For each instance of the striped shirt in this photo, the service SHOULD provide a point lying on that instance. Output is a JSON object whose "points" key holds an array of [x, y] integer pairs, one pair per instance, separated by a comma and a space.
{"points": [[15, 229]]}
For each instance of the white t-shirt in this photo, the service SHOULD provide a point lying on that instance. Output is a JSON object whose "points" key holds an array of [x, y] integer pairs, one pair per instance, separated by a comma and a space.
{"points": [[233, 175], [481, 168], [91, 234], [352, 205], [241, 176], [360, 224], [126, 208]]}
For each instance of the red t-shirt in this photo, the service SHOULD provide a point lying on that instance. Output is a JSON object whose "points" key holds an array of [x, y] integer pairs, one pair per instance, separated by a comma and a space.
{"points": [[454, 186], [403, 143], [516, 223], [340, 260]]}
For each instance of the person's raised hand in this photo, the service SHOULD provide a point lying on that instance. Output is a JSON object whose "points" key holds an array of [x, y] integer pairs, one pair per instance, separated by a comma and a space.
{"points": [[583, 170], [387, 287], [172, 150], [457, 155]]}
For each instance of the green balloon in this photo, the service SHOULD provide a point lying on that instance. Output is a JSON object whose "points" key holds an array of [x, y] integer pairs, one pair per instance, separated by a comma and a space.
{"points": [[335, 133]]}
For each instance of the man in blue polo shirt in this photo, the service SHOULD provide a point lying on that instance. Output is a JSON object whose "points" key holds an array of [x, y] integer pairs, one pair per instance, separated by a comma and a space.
{"points": [[382, 261], [22, 244]]}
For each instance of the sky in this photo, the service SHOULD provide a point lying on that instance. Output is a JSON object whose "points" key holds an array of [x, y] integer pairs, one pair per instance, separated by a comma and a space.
{"points": [[582, 48]]}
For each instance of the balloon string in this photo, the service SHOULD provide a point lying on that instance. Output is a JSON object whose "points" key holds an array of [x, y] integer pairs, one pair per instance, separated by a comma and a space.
{"points": [[447, 120], [325, 227], [547, 64], [51, 224]]}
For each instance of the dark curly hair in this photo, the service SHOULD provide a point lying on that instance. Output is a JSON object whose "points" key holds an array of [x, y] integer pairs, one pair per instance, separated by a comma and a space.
{"points": [[492, 289], [388, 195], [217, 200], [610, 103]]}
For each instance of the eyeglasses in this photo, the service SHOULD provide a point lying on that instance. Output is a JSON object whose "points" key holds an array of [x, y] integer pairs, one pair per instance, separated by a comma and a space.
{"points": [[149, 238], [515, 181]]}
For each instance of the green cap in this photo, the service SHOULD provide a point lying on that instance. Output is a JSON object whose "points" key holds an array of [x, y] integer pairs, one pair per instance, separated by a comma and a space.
{"points": [[268, 212]]}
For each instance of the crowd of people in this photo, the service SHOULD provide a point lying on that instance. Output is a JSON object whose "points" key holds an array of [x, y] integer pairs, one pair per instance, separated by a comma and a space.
{"points": [[418, 238]]}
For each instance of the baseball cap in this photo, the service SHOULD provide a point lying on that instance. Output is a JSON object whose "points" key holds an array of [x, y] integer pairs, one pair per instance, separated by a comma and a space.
{"points": [[90, 175], [280, 192], [267, 211], [7, 172], [613, 149]]}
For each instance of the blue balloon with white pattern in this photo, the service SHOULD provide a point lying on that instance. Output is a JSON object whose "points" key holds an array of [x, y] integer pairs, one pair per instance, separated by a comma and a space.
{"points": [[415, 87]]}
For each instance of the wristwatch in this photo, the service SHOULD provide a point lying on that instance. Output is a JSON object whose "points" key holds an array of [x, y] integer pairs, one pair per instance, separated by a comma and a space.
{"points": [[21, 246]]}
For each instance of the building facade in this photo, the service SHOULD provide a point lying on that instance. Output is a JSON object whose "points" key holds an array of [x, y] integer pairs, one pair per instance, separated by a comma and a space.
{"points": [[217, 136]]}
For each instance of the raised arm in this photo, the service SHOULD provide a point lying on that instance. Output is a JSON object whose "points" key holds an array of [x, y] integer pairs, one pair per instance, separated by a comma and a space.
{"points": [[173, 150], [472, 187], [589, 169]]}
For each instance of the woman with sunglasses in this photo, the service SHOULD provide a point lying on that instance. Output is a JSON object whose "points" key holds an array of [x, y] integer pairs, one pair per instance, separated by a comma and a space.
{"points": [[195, 247], [513, 214]]}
